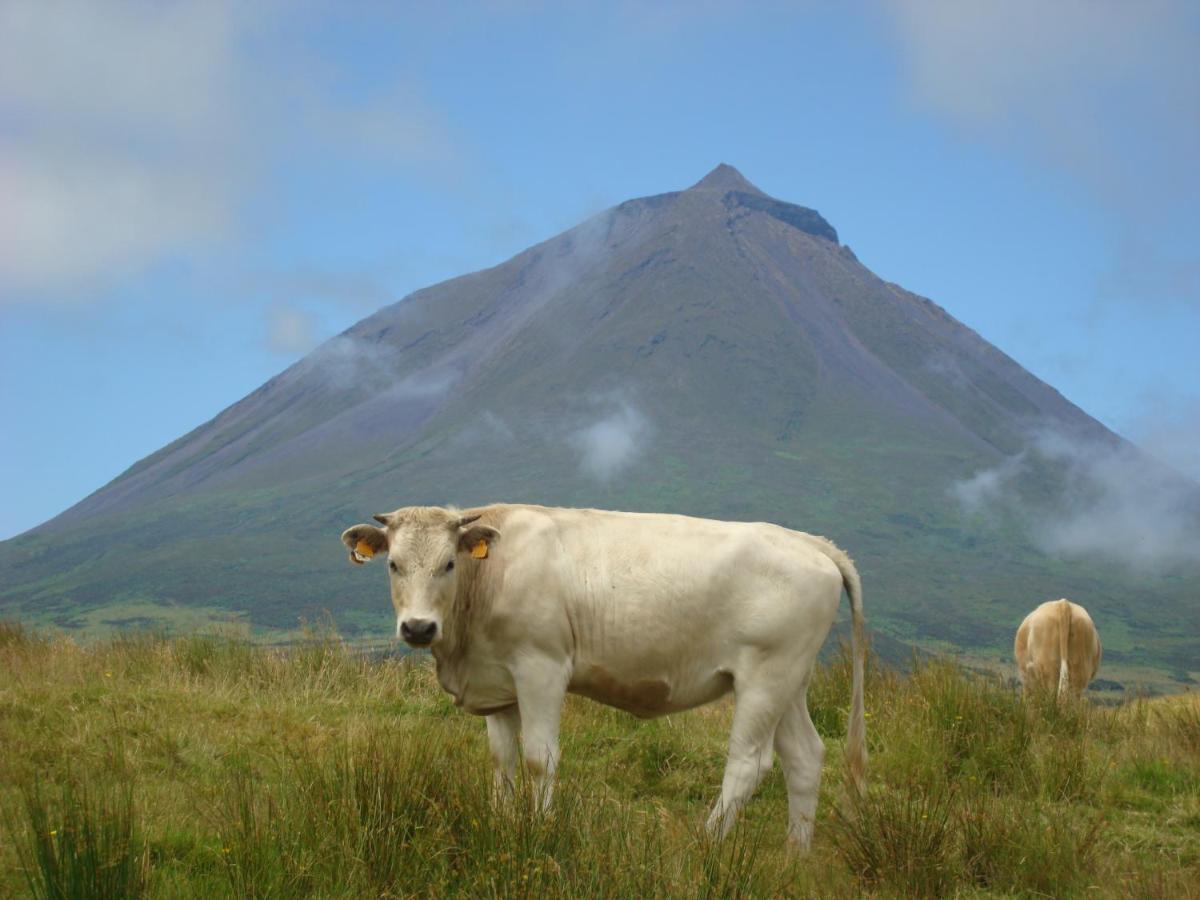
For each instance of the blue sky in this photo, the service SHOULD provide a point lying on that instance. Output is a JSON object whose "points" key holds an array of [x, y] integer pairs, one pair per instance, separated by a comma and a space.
{"points": [[194, 194]]}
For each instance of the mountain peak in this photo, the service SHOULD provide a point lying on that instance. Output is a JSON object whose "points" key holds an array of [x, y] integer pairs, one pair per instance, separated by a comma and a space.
{"points": [[691, 352], [725, 178]]}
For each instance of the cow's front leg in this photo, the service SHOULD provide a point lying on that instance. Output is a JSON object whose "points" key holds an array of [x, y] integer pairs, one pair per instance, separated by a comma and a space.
{"points": [[541, 685], [503, 729]]}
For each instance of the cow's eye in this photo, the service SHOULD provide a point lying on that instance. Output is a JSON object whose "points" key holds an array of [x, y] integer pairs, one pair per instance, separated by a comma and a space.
{"points": [[449, 565], [392, 565]]}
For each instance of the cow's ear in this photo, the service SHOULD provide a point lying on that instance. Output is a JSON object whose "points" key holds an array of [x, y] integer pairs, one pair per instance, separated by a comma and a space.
{"points": [[364, 541], [477, 539]]}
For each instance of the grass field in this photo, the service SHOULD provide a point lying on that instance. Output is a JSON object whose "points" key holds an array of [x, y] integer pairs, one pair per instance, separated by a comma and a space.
{"points": [[208, 766]]}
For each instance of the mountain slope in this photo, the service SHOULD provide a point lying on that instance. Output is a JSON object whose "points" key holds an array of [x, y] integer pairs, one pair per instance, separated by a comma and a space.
{"points": [[713, 351]]}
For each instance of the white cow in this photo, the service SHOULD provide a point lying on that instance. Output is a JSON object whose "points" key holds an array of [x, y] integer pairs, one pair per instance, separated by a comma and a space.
{"points": [[652, 614]]}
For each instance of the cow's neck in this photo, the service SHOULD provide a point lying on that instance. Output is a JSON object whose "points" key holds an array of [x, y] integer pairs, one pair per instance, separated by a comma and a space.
{"points": [[451, 656], [451, 671]]}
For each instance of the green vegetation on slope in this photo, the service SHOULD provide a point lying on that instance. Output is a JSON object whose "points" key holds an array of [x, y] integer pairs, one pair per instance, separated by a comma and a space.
{"points": [[934, 577], [206, 766]]}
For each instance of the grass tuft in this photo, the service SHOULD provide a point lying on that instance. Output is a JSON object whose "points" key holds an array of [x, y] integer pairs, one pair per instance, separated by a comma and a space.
{"points": [[82, 842], [898, 838]]}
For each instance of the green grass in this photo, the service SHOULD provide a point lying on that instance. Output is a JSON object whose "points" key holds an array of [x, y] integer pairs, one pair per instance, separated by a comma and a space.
{"points": [[81, 846], [209, 766]]}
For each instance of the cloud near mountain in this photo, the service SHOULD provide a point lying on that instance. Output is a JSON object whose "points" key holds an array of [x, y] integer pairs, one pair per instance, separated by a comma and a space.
{"points": [[1115, 505]]}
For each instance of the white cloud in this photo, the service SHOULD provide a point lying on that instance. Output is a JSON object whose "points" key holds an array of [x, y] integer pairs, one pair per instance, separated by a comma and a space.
{"points": [[138, 130], [611, 443], [290, 331], [988, 486], [426, 385], [1116, 503], [1103, 91], [120, 151], [346, 362], [158, 69], [72, 217]]}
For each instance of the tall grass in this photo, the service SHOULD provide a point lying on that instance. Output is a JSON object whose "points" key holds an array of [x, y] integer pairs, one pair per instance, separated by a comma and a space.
{"points": [[393, 817], [899, 838], [82, 843], [149, 766]]}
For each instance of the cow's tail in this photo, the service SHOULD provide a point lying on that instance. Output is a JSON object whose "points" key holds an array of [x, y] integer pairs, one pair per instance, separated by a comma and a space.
{"points": [[856, 729], [1064, 646]]}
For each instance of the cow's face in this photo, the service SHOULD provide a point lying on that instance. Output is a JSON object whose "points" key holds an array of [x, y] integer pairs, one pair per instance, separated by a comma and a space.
{"points": [[425, 548]]}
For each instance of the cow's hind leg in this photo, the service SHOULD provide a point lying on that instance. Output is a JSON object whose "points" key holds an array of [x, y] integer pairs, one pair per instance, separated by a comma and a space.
{"points": [[801, 752], [760, 703]]}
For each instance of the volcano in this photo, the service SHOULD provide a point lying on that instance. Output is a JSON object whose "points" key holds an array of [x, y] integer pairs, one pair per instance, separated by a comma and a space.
{"points": [[711, 351]]}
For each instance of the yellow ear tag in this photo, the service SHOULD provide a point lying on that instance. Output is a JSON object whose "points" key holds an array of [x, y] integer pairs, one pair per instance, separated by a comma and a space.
{"points": [[362, 548], [479, 551]]}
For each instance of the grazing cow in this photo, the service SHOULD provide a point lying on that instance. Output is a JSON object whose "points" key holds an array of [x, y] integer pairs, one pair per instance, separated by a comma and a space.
{"points": [[652, 614], [1057, 645]]}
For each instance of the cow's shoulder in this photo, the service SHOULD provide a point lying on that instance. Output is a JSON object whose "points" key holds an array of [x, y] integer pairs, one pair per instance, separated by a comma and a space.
{"points": [[523, 568]]}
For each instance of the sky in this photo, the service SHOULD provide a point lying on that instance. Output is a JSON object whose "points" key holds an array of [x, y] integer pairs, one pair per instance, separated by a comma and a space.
{"points": [[195, 194]]}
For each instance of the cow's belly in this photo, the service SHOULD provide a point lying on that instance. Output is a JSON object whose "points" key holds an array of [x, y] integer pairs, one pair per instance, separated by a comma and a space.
{"points": [[648, 693]]}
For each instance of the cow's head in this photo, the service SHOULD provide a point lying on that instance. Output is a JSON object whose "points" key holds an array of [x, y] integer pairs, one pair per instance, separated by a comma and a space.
{"points": [[425, 548]]}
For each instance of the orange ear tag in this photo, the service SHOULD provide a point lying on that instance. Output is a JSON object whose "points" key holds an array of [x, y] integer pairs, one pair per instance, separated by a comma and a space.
{"points": [[362, 548], [480, 550]]}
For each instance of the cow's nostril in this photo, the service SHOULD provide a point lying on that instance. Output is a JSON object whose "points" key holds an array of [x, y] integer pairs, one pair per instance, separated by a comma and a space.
{"points": [[418, 631]]}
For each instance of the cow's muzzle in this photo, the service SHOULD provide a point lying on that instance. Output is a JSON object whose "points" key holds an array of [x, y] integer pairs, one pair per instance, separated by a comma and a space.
{"points": [[418, 632]]}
